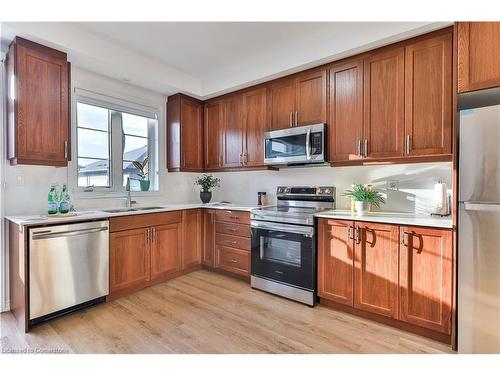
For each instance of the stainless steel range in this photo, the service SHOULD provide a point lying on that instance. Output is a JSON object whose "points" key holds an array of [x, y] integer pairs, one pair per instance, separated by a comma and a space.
{"points": [[284, 242]]}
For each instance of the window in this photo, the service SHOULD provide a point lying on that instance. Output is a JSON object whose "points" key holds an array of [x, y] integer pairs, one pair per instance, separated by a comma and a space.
{"points": [[109, 139]]}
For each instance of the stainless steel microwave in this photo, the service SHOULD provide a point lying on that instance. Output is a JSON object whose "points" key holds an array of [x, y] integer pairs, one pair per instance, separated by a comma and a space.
{"points": [[299, 145]]}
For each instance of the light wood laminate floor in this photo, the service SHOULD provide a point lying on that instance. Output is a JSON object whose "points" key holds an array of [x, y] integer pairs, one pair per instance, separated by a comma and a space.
{"points": [[205, 312]]}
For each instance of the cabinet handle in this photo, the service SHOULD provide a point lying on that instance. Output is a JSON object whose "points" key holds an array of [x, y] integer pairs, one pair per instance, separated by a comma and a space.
{"points": [[233, 261], [408, 144], [245, 159], [358, 148], [404, 235], [357, 236], [365, 148], [290, 122], [65, 149], [240, 158], [153, 239], [220, 160], [350, 233], [296, 118], [147, 236]]}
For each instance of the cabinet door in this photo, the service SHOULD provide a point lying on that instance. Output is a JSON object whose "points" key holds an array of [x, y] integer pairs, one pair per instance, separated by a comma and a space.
{"points": [[129, 259], [426, 263], [335, 260], [191, 136], [281, 104], [345, 128], [213, 135], [166, 250], [311, 98], [254, 110], [174, 133], [42, 105], [384, 103], [232, 134], [478, 55], [191, 253], [208, 240], [376, 253], [428, 95]]}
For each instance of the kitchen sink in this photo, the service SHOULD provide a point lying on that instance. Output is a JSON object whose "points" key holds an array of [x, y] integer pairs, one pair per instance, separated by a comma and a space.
{"points": [[130, 209], [148, 208]]}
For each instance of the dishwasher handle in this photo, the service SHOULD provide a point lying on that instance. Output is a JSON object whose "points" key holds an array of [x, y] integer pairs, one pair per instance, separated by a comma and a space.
{"points": [[77, 232]]}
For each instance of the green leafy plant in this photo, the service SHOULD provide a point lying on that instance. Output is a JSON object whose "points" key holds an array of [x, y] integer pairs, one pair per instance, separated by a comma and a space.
{"points": [[207, 181], [363, 193], [142, 167]]}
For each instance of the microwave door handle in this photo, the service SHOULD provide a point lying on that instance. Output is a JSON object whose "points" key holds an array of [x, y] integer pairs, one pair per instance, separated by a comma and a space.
{"points": [[308, 144]]}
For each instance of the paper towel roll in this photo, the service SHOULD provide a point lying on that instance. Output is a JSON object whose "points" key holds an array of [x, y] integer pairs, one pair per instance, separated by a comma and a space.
{"points": [[440, 199]]}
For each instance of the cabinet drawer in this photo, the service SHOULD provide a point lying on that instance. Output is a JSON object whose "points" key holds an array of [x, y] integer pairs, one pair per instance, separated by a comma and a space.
{"points": [[234, 217], [242, 243], [233, 229], [142, 221], [233, 260]]}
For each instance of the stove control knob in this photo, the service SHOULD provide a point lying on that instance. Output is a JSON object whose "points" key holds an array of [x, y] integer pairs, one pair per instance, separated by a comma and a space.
{"points": [[287, 190], [327, 191]]}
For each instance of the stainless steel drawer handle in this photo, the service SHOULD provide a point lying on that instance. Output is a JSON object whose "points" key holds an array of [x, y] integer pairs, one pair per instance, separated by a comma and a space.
{"points": [[44, 235], [232, 242], [233, 261]]}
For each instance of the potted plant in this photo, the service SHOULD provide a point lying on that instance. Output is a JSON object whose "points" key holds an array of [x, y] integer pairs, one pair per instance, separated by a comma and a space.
{"points": [[363, 196], [207, 182], [143, 168]]}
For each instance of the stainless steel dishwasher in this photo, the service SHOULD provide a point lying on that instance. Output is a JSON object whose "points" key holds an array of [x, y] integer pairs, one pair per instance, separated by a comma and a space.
{"points": [[68, 268]]}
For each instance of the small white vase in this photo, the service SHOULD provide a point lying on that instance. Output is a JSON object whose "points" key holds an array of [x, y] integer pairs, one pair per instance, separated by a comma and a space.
{"points": [[361, 208]]}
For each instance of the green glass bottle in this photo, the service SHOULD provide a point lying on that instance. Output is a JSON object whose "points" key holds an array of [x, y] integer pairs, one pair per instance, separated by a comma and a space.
{"points": [[52, 200], [64, 200]]}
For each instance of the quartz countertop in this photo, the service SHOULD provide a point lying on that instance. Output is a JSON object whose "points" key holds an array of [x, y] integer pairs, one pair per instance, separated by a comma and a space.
{"points": [[44, 219], [423, 220]]}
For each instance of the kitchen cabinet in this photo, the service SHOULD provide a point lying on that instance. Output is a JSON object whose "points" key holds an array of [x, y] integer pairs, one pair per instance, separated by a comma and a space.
{"points": [[383, 125], [345, 127], [281, 104], [478, 55], [213, 129], [38, 127], [254, 126], [299, 100], [208, 238], [232, 260], [426, 277], [232, 132], [376, 271], [184, 134], [336, 260], [151, 248], [129, 256], [428, 96], [191, 254], [166, 246]]}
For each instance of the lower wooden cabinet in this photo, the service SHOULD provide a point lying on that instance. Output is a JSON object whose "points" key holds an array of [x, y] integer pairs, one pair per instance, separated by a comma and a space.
{"points": [[336, 261], [146, 249], [208, 235], [128, 259], [396, 272], [376, 268], [191, 254], [166, 246], [426, 278], [232, 260]]}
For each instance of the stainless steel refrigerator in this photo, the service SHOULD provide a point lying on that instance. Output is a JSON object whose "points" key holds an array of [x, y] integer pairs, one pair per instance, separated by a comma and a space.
{"points": [[479, 223]]}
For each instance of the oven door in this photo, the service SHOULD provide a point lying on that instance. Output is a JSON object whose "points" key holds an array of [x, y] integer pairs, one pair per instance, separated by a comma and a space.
{"points": [[304, 144], [284, 253]]}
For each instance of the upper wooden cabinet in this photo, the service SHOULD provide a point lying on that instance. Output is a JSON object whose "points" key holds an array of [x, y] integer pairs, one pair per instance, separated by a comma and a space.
{"points": [[426, 277], [232, 131], [428, 96], [254, 126], [383, 126], [184, 134], [38, 104], [345, 126], [296, 101], [478, 55], [213, 128]]}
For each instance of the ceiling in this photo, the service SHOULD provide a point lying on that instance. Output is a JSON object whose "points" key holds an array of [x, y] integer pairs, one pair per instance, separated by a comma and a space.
{"points": [[209, 58]]}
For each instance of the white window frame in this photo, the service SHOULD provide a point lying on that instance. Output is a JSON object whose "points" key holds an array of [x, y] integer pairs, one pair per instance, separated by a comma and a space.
{"points": [[116, 152]]}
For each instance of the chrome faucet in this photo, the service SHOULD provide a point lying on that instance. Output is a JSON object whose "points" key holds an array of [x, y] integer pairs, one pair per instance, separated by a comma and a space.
{"points": [[129, 201]]}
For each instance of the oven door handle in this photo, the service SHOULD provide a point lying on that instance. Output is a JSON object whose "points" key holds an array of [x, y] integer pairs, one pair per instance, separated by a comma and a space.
{"points": [[297, 229]]}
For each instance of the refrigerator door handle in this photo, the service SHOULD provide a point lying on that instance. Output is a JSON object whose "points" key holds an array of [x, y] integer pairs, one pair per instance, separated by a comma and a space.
{"points": [[477, 206]]}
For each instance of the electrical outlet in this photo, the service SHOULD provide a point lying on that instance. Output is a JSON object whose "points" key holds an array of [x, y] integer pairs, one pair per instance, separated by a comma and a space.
{"points": [[20, 180], [393, 185]]}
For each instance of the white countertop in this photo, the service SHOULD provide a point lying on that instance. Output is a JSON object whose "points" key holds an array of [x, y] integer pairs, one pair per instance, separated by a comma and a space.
{"points": [[377, 217], [391, 218], [44, 219]]}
